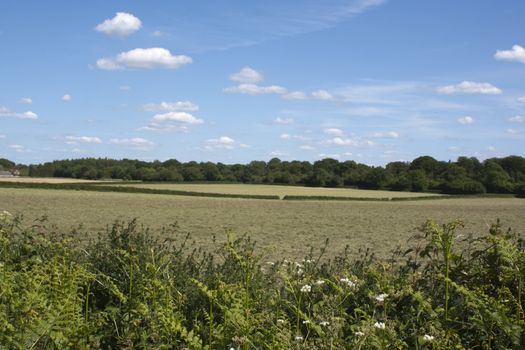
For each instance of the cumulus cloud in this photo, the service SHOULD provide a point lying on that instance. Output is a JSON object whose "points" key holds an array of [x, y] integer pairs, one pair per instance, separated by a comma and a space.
{"points": [[123, 24], [223, 142], [172, 121], [322, 95], [386, 135], [150, 58], [6, 113], [26, 101], [75, 140], [254, 89], [516, 54], [340, 141], [295, 95], [470, 87], [247, 75], [186, 106], [136, 143], [285, 136], [517, 119], [283, 121], [334, 131], [521, 99], [466, 120], [306, 148], [66, 98], [182, 117]]}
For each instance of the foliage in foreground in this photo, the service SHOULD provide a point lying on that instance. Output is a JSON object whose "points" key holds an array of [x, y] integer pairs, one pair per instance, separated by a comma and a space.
{"points": [[128, 290]]}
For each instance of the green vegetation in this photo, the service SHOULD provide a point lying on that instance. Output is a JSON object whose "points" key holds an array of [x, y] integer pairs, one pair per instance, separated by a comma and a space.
{"points": [[126, 289], [378, 225], [423, 174]]}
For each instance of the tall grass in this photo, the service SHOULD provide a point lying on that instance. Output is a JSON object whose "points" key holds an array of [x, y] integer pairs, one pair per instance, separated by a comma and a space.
{"points": [[128, 290]]}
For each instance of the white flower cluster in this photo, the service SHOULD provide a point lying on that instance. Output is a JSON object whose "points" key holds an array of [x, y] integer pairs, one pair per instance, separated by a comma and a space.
{"points": [[379, 325], [381, 297], [428, 337], [348, 282], [306, 288], [324, 323]]}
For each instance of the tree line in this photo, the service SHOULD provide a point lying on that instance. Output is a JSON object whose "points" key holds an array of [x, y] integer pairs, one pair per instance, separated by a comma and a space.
{"points": [[463, 176]]}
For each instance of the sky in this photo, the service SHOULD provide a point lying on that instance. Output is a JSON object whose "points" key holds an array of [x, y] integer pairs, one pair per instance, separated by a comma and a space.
{"points": [[373, 81]]}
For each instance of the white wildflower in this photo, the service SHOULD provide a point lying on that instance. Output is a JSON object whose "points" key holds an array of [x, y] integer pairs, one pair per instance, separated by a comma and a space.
{"points": [[298, 265], [348, 282], [308, 261], [324, 323], [359, 334], [319, 282], [306, 321], [379, 325], [428, 337], [306, 288], [299, 271], [280, 320], [381, 297], [299, 338], [271, 263]]}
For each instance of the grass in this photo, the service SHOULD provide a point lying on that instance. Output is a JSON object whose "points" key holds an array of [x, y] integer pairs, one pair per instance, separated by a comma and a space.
{"points": [[285, 226], [281, 191]]}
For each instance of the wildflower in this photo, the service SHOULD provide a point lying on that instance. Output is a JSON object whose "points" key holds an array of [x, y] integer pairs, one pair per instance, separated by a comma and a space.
{"points": [[319, 282], [299, 338], [298, 265], [348, 282], [379, 325], [324, 323], [271, 263], [428, 337], [306, 288], [280, 320], [308, 261], [381, 297], [359, 334], [299, 271]]}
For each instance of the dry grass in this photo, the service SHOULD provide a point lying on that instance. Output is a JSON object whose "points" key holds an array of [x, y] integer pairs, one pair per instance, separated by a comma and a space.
{"points": [[280, 191], [287, 226], [45, 180]]}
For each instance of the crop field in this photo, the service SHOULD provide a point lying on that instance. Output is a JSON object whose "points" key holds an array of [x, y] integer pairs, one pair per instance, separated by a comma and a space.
{"points": [[280, 191], [45, 180], [286, 227]]}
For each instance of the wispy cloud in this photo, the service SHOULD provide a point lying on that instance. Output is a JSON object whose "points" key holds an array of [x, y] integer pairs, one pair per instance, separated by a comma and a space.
{"points": [[466, 120], [223, 142], [253, 89], [6, 113], [470, 87], [136, 143], [186, 106], [75, 140]]}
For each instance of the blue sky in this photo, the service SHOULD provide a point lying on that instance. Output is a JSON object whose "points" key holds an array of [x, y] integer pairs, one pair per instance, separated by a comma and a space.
{"points": [[233, 81]]}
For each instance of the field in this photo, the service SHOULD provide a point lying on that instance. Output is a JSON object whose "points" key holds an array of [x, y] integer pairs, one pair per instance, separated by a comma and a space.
{"points": [[45, 180], [288, 227], [280, 191]]}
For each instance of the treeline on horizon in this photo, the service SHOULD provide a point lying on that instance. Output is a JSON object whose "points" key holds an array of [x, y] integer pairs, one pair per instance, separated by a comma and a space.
{"points": [[464, 176]]}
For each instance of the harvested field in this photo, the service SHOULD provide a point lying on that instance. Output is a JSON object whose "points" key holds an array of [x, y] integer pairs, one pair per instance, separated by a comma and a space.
{"points": [[45, 180], [281, 191], [286, 226]]}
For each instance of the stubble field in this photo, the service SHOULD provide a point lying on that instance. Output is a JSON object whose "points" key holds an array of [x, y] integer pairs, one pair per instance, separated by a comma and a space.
{"points": [[286, 227]]}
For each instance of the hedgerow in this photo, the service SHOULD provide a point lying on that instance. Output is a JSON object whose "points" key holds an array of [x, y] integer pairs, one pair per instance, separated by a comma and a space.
{"points": [[127, 289]]}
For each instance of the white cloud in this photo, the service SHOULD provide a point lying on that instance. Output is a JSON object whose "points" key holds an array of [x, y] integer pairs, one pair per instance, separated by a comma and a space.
{"points": [[386, 135], [247, 75], [517, 119], [466, 120], [2, 136], [155, 57], [170, 107], [20, 148], [66, 98], [306, 148], [334, 131], [253, 89], [26, 101], [75, 140], [123, 24], [278, 154], [182, 117], [5, 112], [136, 143], [223, 142], [470, 87], [124, 87], [517, 54], [521, 99], [339, 141], [295, 95], [285, 136], [283, 121], [158, 34], [164, 127], [333, 156], [512, 131], [322, 95]]}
